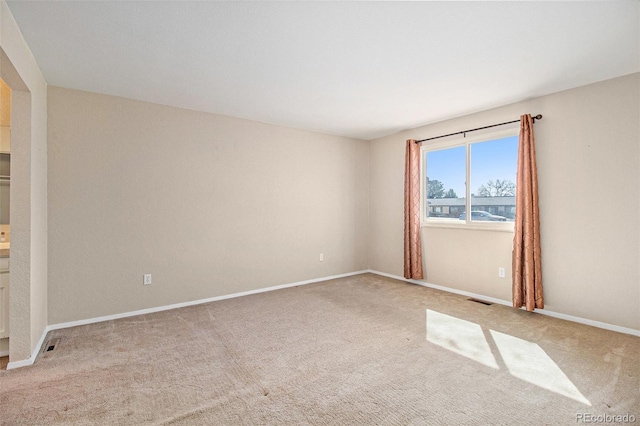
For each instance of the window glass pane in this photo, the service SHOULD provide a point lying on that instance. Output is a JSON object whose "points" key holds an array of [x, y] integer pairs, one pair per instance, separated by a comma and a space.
{"points": [[445, 183], [493, 179]]}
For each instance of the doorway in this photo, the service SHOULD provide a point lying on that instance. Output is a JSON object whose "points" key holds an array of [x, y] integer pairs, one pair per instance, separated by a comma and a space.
{"points": [[5, 185]]}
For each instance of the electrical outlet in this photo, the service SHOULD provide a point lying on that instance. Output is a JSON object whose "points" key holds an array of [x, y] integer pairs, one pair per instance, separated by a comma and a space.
{"points": [[501, 273], [321, 257], [147, 279]]}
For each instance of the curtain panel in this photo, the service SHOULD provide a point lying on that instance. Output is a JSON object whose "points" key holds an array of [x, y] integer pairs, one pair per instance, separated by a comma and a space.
{"points": [[526, 256], [412, 238]]}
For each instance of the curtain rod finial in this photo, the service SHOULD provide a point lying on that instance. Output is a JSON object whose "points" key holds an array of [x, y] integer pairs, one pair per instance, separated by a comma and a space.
{"points": [[538, 117]]}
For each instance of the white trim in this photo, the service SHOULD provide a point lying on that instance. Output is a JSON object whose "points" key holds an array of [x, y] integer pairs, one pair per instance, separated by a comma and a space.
{"points": [[546, 312], [466, 142], [195, 302], [4, 353], [36, 351], [475, 226]]}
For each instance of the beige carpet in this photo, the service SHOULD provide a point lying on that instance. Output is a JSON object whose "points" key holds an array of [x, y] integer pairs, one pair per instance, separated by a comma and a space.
{"points": [[358, 351]]}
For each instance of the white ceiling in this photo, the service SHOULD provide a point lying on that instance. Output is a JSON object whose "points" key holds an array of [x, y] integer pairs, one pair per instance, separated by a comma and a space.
{"points": [[358, 69]]}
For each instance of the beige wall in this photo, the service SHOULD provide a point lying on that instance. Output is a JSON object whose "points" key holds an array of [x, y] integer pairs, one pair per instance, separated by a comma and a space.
{"points": [[5, 146], [139, 188], [28, 300], [209, 205], [5, 104], [589, 185]]}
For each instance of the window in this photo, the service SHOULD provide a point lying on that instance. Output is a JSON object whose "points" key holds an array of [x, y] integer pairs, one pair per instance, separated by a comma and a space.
{"points": [[488, 164]]}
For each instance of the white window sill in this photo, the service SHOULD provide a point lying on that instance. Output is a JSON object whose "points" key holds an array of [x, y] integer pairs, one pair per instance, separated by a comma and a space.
{"points": [[475, 226]]}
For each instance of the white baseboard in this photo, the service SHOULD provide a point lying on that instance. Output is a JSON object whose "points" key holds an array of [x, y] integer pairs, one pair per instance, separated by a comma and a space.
{"points": [[195, 302], [31, 360], [546, 312], [4, 353], [36, 350], [34, 354]]}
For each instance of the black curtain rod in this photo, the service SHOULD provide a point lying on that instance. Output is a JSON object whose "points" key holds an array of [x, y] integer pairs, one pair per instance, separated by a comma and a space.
{"points": [[537, 117]]}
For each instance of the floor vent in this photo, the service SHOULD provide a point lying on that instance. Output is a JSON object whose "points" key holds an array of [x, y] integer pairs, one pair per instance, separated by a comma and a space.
{"points": [[51, 345], [484, 302]]}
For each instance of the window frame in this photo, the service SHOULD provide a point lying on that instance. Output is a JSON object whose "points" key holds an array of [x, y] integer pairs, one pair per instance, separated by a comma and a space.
{"points": [[454, 142]]}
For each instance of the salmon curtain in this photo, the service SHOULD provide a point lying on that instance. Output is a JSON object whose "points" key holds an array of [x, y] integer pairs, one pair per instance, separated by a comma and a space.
{"points": [[412, 240], [527, 268]]}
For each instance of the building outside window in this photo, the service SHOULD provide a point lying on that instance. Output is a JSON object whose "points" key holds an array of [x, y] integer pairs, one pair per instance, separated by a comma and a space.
{"points": [[470, 174]]}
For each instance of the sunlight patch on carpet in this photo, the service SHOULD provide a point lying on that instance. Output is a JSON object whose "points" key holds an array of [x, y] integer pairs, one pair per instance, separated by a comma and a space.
{"points": [[462, 337], [524, 360], [529, 362]]}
